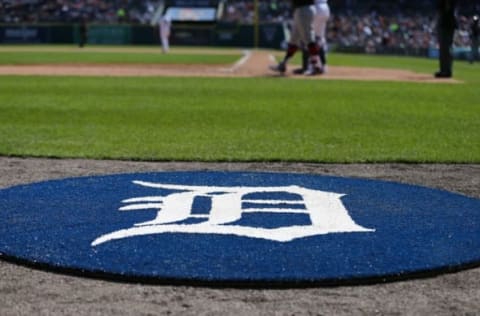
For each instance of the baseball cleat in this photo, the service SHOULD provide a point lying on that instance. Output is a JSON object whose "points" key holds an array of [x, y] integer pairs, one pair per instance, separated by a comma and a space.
{"points": [[313, 71], [281, 68], [298, 71], [440, 74]]}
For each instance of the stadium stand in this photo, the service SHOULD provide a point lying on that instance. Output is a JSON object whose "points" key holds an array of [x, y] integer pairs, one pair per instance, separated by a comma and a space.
{"points": [[68, 11], [375, 26]]}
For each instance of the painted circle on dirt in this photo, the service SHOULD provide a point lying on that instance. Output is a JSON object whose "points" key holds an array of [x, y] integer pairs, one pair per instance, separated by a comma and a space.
{"points": [[244, 228]]}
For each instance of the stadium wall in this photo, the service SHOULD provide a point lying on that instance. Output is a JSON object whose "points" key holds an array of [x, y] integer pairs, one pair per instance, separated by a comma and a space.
{"points": [[36, 34], [270, 35], [221, 34]]}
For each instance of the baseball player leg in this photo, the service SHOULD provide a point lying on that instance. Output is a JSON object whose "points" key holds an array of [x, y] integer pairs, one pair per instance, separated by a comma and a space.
{"points": [[305, 59], [320, 26], [294, 44], [282, 66], [323, 57], [314, 66]]}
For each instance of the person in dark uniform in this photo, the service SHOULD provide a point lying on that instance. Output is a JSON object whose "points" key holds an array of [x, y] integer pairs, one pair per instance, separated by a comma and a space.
{"points": [[83, 33], [446, 25], [474, 39]]}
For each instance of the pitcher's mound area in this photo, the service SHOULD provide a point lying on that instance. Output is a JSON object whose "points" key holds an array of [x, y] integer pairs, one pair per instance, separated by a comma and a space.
{"points": [[239, 228], [253, 64]]}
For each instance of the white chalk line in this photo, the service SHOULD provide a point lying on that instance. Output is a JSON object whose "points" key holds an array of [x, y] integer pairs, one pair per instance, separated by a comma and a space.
{"points": [[246, 56]]}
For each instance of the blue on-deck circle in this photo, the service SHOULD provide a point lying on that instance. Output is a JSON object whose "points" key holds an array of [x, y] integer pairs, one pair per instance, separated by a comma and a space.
{"points": [[239, 227]]}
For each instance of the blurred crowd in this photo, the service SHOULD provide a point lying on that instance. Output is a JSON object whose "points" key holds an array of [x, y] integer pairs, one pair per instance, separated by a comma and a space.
{"points": [[68, 11], [374, 31], [371, 24], [366, 23]]}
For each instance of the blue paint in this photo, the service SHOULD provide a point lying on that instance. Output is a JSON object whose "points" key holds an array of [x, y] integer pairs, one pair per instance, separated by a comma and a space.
{"points": [[417, 229]]}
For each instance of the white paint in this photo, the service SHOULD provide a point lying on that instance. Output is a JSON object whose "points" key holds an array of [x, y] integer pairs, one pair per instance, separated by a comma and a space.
{"points": [[242, 61], [325, 210]]}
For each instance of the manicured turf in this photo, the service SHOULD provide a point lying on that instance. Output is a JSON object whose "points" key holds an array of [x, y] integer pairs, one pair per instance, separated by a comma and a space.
{"points": [[94, 57], [262, 119]]}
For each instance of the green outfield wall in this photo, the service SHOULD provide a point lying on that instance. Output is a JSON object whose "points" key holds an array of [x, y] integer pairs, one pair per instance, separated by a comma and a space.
{"points": [[32, 34], [267, 35], [270, 35]]}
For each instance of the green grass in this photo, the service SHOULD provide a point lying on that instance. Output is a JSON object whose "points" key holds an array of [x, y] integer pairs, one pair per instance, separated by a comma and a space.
{"points": [[30, 55], [243, 119]]}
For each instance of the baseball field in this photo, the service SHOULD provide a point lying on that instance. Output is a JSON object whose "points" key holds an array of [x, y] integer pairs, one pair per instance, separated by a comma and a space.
{"points": [[67, 112]]}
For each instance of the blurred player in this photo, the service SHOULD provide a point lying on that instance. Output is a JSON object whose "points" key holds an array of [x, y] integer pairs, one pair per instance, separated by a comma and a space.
{"points": [[474, 39], [164, 28], [83, 28], [320, 26], [302, 34], [322, 14], [446, 25]]}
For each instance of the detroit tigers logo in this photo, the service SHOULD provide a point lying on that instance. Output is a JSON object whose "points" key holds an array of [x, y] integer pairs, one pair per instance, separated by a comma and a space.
{"points": [[239, 228], [324, 212]]}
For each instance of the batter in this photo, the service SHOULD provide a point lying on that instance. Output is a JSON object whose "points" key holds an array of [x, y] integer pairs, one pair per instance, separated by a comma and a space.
{"points": [[302, 34]]}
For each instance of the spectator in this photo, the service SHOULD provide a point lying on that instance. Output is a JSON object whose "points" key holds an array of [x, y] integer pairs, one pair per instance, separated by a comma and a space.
{"points": [[376, 26]]}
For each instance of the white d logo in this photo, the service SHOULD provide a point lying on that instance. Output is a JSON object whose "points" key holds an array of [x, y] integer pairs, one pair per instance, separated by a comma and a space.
{"points": [[325, 209]]}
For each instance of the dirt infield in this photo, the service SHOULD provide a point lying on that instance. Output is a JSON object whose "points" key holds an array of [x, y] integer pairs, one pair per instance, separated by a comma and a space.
{"points": [[253, 64], [25, 291]]}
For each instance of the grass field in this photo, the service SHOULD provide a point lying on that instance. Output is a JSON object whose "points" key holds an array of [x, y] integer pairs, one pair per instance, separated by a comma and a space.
{"points": [[28, 55], [236, 119]]}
